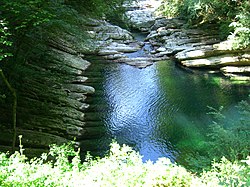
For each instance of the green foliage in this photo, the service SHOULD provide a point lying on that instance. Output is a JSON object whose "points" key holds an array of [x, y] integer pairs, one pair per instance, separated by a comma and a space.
{"points": [[122, 167], [111, 10], [223, 13], [23, 15], [169, 8], [228, 136], [241, 33], [4, 40], [231, 137], [228, 173]]}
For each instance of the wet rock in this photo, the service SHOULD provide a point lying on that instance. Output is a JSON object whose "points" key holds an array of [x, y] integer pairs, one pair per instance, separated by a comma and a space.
{"points": [[123, 48], [106, 31], [164, 53], [140, 64], [173, 23], [239, 78], [161, 49], [219, 61], [73, 61], [236, 69], [197, 48], [32, 138], [92, 132], [79, 88], [141, 19], [52, 94], [106, 51], [237, 73], [115, 56]]}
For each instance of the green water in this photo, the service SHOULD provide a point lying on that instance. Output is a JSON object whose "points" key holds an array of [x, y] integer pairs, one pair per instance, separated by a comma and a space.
{"points": [[161, 110]]}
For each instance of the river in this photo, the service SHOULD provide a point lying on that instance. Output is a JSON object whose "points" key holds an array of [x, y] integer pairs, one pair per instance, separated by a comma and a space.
{"points": [[161, 110]]}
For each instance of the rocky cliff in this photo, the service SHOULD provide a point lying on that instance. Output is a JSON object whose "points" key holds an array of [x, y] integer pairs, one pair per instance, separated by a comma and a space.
{"points": [[52, 87]]}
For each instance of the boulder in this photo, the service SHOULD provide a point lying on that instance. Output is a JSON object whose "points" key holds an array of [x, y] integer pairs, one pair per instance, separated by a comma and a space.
{"points": [[141, 19], [107, 31], [173, 23]]}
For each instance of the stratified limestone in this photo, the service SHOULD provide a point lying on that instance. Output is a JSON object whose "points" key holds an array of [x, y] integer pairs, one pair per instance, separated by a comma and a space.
{"points": [[219, 61], [52, 94], [196, 47]]}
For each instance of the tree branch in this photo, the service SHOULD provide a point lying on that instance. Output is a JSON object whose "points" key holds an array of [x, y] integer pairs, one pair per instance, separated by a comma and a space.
{"points": [[14, 109]]}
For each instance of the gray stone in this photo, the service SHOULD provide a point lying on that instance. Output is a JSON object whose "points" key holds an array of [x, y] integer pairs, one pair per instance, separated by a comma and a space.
{"points": [[122, 47], [77, 88], [106, 51], [161, 49], [115, 56], [173, 23], [219, 61], [236, 69], [141, 19]]}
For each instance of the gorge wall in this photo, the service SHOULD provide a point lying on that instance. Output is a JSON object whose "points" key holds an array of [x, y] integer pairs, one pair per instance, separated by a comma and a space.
{"points": [[52, 86]]}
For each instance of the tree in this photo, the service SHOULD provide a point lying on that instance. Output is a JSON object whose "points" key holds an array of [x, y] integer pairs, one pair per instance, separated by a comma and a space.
{"points": [[4, 42]]}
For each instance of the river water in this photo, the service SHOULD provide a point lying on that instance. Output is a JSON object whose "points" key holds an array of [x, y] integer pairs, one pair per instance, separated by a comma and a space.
{"points": [[161, 111]]}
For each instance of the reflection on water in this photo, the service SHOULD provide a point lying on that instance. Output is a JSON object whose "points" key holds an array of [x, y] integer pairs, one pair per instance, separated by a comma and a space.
{"points": [[160, 110], [134, 97]]}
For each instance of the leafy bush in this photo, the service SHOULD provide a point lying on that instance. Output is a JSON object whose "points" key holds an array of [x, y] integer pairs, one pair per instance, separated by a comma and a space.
{"points": [[170, 8], [122, 167], [241, 33], [228, 136], [228, 173]]}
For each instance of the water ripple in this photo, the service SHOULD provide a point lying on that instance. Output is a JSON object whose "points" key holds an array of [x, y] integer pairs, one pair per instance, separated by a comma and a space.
{"points": [[159, 110]]}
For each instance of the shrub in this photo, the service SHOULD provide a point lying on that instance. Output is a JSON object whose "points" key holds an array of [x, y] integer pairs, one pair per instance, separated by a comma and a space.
{"points": [[241, 33], [228, 136], [170, 8], [121, 167]]}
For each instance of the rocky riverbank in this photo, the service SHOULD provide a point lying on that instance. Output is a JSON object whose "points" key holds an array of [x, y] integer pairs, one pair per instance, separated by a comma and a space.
{"points": [[52, 85], [170, 38], [190, 47], [199, 48]]}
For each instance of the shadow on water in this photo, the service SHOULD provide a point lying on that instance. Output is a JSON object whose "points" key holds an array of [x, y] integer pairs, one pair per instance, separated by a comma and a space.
{"points": [[161, 110]]}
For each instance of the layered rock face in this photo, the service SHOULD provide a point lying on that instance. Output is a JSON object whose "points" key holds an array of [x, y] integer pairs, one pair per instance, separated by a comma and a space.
{"points": [[52, 89], [141, 14], [198, 48], [191, 47]]}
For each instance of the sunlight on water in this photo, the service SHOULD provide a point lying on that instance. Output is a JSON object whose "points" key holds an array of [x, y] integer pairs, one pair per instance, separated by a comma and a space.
{"points": [[131, 94], [160, 110]]}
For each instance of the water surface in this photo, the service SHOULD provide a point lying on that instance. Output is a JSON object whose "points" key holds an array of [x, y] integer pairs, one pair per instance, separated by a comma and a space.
{"points": [[161, 110]]}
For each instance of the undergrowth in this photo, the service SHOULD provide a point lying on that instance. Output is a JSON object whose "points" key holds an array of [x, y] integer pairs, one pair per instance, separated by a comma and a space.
{"points": [[121, 167]]}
